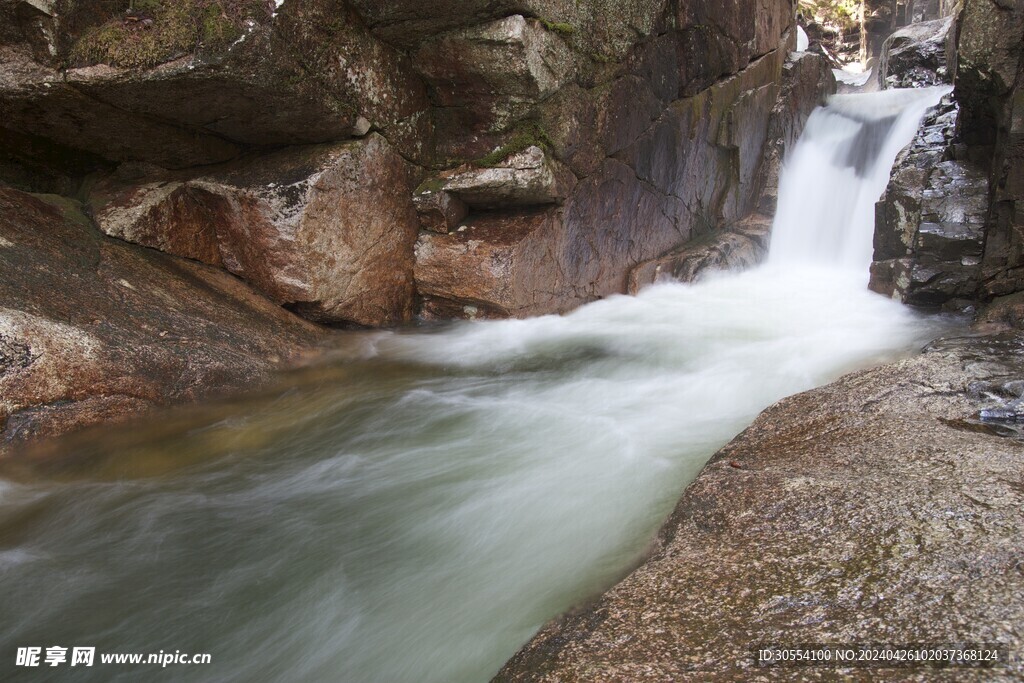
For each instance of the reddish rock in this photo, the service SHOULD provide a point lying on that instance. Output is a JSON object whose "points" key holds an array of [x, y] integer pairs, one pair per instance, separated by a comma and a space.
{"points": [[495, 266], [326, 230], [93, 329], [486, 78]]}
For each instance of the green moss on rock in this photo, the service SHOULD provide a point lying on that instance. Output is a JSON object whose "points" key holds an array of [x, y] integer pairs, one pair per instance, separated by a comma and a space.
{"points": [[558, 27], [151, 32], [530, 134]]}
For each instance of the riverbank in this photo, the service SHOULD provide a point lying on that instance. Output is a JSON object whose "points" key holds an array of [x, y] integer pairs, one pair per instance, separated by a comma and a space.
{"points": [[875, 509]]}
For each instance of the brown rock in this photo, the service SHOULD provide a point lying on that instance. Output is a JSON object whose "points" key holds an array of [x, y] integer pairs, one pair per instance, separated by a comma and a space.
{"points": [[486, 78], [93, 329], [879, 509], [494, 266], [326, 230]]}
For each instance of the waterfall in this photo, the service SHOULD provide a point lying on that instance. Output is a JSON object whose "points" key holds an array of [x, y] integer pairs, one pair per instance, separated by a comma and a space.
{"points": [[838, 170], [416, 508]]}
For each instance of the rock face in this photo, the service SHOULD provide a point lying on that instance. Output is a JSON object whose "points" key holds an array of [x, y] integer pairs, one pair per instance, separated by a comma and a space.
{"points": [[607, 134], [648, 182], [326, 230], [154, 91], [930, 224], [918, 55], [829, 521], [365, 163], [93, 329], [990, 86], [948, 231]]}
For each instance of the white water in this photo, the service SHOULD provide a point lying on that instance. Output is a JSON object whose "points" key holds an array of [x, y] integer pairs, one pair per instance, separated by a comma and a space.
{"points": [[415, 511], [839, 169], [802, 41]]}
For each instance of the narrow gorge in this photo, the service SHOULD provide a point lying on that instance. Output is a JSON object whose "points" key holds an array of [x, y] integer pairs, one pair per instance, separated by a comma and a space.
{"points": [[376, 341]]}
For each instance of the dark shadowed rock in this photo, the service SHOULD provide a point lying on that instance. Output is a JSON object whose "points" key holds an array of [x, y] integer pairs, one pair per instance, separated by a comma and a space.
{"points": [[930, 224], [949, 228], [308, 72], [829, 520], [327, 230], [93, 329], [988, 63]]}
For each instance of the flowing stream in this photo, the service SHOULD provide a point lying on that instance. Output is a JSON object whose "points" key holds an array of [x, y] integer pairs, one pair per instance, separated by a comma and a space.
{"points": [[417, 507]]}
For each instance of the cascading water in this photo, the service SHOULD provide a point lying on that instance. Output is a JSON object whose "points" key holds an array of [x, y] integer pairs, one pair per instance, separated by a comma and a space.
{"points": [[839, 169], [416, 509]]}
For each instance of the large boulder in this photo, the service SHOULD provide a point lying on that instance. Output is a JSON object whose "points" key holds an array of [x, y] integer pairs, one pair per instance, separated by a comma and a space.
{"points": [[326, 230], [884, 508], [486, 78], [93, 329], [919, 55]]}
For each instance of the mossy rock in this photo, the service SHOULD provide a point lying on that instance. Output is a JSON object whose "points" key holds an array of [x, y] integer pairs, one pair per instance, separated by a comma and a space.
{"points": [[530, 134], [152, 32]]}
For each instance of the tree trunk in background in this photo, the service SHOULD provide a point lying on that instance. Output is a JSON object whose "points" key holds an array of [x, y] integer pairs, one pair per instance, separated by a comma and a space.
{"points": [[877, 18]]}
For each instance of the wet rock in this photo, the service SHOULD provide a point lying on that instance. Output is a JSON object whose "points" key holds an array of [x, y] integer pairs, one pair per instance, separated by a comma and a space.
{"points": [[326, 230], [829, 520], [919, 55], [93, 329], [740, 246], [930, 224]]}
